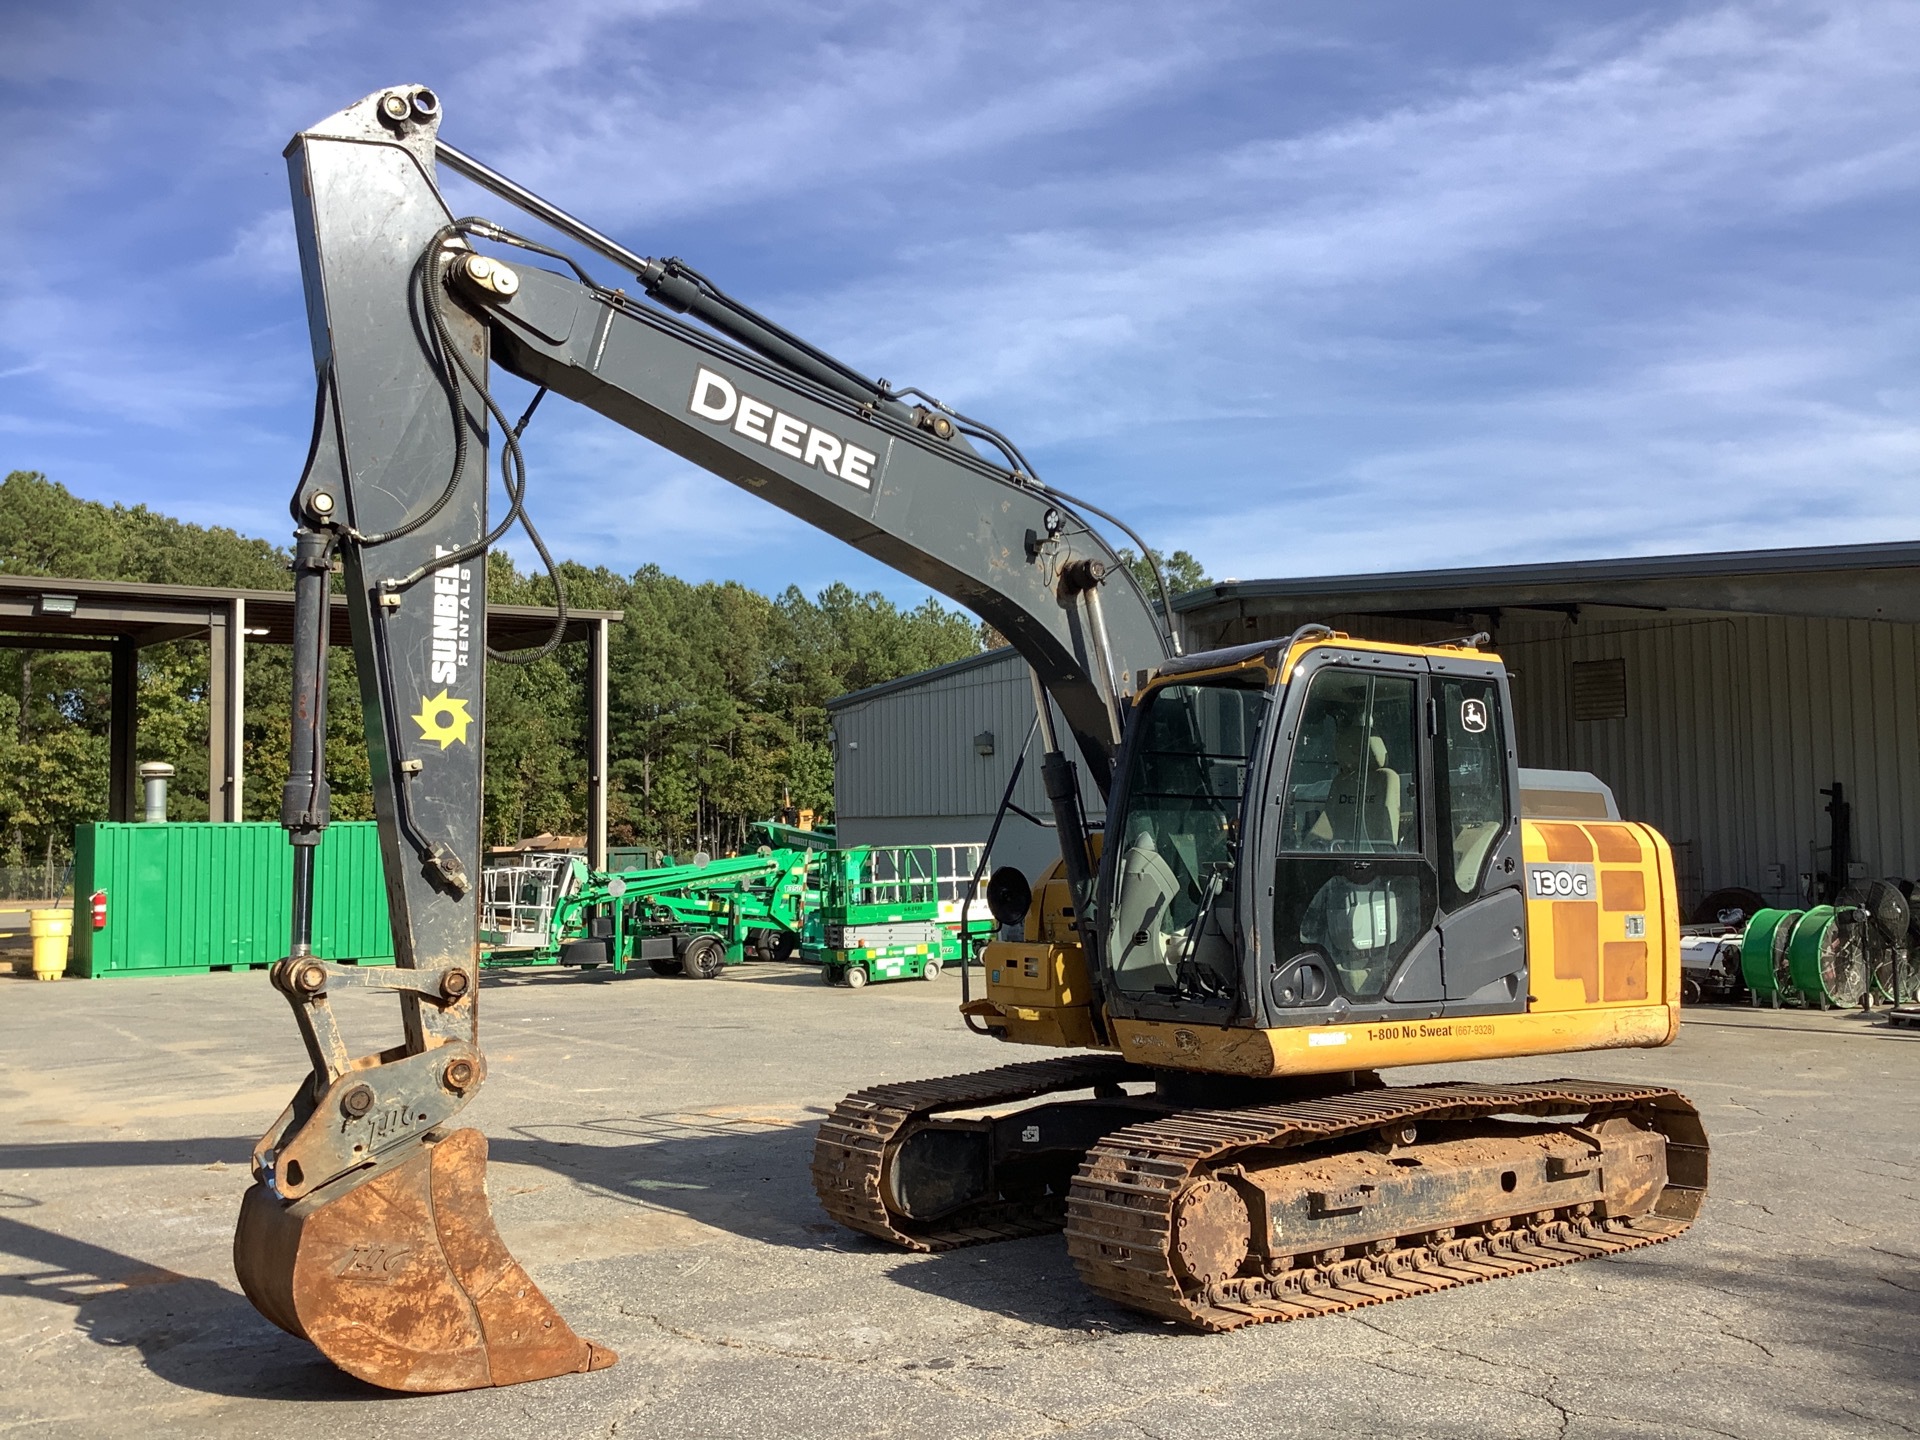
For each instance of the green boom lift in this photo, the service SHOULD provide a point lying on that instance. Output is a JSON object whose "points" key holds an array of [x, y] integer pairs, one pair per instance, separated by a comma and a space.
{"points": [[693, 919]]}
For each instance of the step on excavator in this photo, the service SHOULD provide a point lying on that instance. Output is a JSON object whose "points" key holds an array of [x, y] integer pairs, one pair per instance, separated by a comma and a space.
{"points": [[1313, 864]]}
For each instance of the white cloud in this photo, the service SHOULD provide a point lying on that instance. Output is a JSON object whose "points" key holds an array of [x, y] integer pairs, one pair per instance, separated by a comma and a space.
{"points": [[263, 249], [1369, 301]]}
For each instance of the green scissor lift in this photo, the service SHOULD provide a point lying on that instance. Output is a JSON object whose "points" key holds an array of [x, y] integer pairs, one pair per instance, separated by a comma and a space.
{"points": [[889, 913]]}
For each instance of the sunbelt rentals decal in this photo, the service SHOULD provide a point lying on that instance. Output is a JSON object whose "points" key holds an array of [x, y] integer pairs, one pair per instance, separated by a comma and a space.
{"points": [[718, 400], [444, 718]]}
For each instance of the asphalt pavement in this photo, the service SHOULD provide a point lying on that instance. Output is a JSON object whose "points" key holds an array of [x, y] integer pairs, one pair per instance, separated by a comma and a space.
{"points": [[650, 1140]]}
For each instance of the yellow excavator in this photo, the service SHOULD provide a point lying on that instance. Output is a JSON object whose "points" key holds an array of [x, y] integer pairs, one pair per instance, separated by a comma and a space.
{"points": [[1314, 862]]}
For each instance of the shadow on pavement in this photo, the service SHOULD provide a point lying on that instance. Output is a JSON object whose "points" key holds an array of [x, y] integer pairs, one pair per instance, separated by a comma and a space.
{"points": [[86, 1154], [735, 1170], [1032, 1281], [189, 1331], [746, 1173], [754, 971]]}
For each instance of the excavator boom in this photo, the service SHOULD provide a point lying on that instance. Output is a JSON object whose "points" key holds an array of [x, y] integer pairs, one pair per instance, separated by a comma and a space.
{"points": [[368, 1229]]}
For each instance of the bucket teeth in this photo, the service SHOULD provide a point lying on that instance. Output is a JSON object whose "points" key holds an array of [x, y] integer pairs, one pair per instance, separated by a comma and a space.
{"points": [[403, 1281]]}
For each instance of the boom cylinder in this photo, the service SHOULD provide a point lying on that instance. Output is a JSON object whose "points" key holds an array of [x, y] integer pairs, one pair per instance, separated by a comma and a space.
{"points": [[1062, 781]]}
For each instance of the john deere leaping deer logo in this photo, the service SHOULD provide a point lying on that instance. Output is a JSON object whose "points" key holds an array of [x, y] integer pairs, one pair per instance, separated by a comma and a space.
{"points": [[443, 719]]}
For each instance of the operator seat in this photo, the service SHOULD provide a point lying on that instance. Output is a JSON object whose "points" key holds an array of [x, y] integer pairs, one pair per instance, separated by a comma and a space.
{"points": [[1470, 848], [1147, 887], [1363, 804]]}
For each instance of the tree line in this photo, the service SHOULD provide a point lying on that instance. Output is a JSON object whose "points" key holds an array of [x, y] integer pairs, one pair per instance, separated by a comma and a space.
{"points": [[717, 692]]}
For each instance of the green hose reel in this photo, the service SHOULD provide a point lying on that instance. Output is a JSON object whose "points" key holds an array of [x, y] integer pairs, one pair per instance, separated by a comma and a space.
{"points": [[1763, 951], [1817, 954]]}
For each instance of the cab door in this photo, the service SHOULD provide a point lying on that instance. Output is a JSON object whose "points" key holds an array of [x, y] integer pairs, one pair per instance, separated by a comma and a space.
{"points": [[1353, 895], [1475, 785]]}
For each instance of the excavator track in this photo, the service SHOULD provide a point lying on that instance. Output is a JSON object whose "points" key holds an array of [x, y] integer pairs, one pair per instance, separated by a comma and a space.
{"points": [[850, 1152], [1144, 1212]]}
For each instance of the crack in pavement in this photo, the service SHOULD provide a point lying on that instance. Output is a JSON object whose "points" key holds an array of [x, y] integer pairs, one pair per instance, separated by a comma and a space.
{"points": [[1566, 1413], [1879, 1420], [1379, 1363], [1664, 1425], [1437, 1348], [940, 1380], [1733, 1334], [729, 1342]]}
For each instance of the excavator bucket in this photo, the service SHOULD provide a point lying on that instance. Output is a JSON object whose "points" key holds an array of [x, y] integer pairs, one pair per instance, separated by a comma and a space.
{"points": [[403, 1281]]}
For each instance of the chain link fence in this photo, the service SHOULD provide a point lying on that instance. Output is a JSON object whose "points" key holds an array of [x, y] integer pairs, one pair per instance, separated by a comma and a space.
{"points": [[36, 882]]}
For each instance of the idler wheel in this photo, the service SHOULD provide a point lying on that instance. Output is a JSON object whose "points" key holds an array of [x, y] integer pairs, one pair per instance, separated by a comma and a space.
{"points": [[1210, 1232]]}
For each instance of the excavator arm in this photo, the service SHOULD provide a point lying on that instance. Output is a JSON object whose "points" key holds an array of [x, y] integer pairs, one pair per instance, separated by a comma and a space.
{"points": [[367, 1229]]}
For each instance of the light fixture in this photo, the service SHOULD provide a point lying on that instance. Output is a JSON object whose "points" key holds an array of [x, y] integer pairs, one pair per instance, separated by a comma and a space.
{"points": [[983, 743], [59, 604]]}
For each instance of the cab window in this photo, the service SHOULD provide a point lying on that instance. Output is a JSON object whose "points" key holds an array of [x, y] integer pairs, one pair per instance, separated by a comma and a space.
{"points": [[1353, 889], [1351, 788], [1471, 790], [1171, 928]]}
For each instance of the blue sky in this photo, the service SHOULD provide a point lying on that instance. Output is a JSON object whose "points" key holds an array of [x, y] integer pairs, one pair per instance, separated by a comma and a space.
{"points": [[1303, 288]]}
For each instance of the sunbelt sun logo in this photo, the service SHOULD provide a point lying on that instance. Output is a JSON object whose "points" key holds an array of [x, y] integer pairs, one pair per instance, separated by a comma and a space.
{"points": [[717, 399]]}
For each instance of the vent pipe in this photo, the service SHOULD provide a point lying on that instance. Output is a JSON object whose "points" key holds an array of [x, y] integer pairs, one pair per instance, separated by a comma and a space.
{"points": [[154, 775]]}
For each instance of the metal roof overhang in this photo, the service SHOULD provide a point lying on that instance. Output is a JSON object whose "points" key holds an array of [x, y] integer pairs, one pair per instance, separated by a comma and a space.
{"points": [[1849, 582], [153, 614]]}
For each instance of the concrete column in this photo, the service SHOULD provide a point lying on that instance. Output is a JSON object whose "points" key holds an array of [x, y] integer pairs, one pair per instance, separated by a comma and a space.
{"points": [[226, 711], [597, 638], [219, 642], [234, 720], [123, 719]]}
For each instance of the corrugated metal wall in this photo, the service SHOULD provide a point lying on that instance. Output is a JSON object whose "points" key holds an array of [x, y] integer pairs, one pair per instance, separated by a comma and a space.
{"points": [[906, 770], [1733, 728], [911, 751], [1734, 725]]}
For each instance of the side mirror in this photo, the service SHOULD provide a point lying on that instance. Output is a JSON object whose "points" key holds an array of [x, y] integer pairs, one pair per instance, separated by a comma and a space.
{"points": [[1009, 896]]}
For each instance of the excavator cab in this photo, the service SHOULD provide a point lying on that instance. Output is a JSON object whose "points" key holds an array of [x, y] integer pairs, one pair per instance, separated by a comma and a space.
{"points": [[1300, 830]]}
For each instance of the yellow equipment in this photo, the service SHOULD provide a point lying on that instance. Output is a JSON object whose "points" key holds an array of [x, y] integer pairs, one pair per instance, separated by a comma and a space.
{"points": [[1268, 1175]]}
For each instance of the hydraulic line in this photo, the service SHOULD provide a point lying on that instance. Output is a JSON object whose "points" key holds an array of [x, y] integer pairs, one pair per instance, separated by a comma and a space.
{"points": [[680, 287], [986, 853], [513, 465]]}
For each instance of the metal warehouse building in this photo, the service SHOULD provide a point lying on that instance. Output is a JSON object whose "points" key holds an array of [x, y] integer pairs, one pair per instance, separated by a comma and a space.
{"points": [[1719, 695], [925, 759]]}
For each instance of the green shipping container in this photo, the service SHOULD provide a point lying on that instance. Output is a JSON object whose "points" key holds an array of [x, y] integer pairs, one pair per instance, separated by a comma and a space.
{"points": [[190, 897]]}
